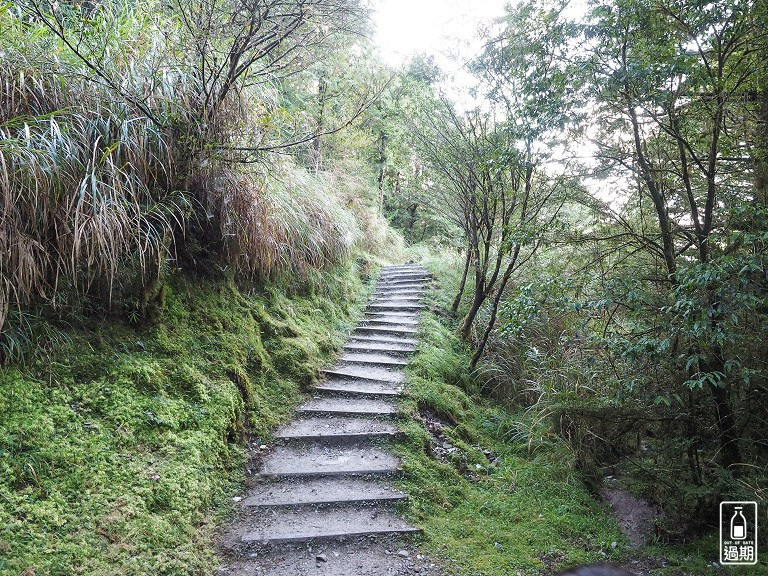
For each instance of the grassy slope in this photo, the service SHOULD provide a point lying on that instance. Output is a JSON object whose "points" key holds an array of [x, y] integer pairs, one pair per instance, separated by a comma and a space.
{"points": [[520, 514], [117, 456], [530, 512]]}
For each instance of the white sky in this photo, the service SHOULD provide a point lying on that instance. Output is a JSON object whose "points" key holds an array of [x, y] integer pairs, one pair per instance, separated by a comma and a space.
{"points": [[445, 28]]}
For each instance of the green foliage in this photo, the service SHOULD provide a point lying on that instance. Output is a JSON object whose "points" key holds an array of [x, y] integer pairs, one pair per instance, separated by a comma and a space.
{"points": [[119, 453]]}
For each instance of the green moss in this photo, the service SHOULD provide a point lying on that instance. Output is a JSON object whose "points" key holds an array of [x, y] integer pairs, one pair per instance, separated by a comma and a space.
{"points": [[118, 454]]}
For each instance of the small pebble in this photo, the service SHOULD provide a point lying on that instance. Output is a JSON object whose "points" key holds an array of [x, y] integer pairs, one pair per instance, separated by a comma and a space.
{"points": [[321, 558], [253, 555], [403, 554], [237, 499], [263, 447], [614, 544]]}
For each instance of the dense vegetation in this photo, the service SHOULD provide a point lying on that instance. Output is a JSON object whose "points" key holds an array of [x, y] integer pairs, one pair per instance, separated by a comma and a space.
{"points": [[170, 283], [608, 198], [191, 193]]}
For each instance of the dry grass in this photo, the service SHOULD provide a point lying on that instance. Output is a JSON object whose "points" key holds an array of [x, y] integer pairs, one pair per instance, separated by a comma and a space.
{"points": [[85, 182], [283, 219], [103, 167]]}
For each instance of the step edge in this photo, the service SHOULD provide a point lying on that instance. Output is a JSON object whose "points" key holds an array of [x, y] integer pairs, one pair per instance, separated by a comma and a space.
{"points": [[329, 536]]}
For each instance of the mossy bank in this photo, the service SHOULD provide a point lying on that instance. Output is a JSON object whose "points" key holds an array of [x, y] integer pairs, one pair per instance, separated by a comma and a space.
{"points": [[122, 447]]}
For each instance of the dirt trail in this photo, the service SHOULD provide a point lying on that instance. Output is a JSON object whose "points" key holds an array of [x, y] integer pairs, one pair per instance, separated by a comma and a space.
{"points": [[323, 501]]}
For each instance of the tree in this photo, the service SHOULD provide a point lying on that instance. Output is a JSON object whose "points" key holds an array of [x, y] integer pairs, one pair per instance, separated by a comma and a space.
{"points": [[489, 189], [674, 76]]}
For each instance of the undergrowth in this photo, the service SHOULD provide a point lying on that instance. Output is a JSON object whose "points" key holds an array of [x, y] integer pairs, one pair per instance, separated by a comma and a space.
{"points": [[118, 453], [497, 491], [496, 502]]}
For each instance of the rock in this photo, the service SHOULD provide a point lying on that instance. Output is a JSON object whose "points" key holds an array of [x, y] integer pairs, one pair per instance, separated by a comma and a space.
{"points": [[263, 447], [403, 554], [419, 557], [614, 545], [321, 558], [498, 546], [253, 555], [237, 499]]}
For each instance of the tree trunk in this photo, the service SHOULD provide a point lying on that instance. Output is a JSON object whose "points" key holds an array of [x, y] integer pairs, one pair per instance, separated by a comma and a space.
{"points": [[761, 151], [382, 150], [494, 309], [477, 302], [659, 204], [462, 284]]}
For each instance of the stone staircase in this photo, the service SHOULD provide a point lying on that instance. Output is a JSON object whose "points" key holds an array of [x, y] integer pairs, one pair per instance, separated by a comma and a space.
{"points": [[328, 479]]}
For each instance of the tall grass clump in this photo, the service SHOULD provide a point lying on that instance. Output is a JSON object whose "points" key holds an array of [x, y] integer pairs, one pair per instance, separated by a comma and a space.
{"points": [[275, 221], [86, 182], [116, 162]]}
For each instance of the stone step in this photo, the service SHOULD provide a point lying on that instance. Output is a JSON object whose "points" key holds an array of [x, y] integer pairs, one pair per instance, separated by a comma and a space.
{"points": [[366, 372], [391, 319], [403, 267], [388, 324], [386, 288], [409, 276], [402, 272], [322, 460], [359, 388], [395, 307], [395, 293], [383, 339], [402, 284], [349, 406], [387, 272], [352, 557], [385, 331], [336, 428], [408, 318], [308, 491], [397, 283], [375, 359], [397, 300], [305, 525], [391, 348]]}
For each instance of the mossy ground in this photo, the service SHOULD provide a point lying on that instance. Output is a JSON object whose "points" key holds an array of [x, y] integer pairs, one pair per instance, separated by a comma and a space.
{"points": [[509, 500], [119, 452]]}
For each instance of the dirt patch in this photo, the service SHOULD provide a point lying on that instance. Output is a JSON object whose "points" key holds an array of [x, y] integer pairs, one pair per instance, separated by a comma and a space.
{"points": [[635, 515]]}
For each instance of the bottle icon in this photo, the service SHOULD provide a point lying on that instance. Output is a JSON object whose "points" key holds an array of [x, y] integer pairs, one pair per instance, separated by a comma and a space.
{"points": [[738, 525]]}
